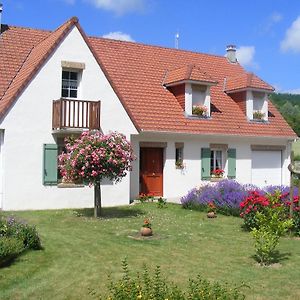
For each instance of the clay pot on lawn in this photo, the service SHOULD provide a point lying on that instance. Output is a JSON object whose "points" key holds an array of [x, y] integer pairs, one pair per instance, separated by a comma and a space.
{"points": [[211, 214], [145, 231]]}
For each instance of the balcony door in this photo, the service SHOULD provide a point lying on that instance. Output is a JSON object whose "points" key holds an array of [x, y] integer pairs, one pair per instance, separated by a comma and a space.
{"points": [[151, 171]]}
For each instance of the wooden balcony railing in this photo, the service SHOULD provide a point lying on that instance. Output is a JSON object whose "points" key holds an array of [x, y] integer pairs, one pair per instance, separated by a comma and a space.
{"points": [[69, 113]]}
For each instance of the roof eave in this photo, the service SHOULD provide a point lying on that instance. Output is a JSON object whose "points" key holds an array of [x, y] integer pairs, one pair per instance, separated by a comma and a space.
{"points": [[202, 82]]}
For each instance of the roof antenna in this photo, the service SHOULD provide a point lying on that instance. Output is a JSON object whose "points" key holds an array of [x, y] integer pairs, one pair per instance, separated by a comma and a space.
{"points": [[1, 8], [177, 40]]}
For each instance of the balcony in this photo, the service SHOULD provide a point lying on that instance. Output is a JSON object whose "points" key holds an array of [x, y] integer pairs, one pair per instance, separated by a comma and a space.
{"points": [[75, 114]]}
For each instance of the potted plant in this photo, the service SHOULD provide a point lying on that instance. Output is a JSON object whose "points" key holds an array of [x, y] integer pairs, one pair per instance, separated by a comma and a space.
{"points": [[146, 229], [199, 110], [179, 164], [218, 173], [211, 210], [258, 115]]}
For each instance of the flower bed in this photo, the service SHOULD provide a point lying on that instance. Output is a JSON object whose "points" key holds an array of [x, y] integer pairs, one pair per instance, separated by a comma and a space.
{"points": [[228, 195]]}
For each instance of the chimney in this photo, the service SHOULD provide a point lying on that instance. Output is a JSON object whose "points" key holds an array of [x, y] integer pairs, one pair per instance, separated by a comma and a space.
{"points": [[231, 53], [1, 8]]}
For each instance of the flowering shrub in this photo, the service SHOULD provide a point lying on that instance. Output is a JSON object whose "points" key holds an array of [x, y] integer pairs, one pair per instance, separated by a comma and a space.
{"points": [[218, 172], [15, 237], [94, 156], [271, 224], [145, 197], [254, 202], [259, 201], [226, 195], [199, 110]]}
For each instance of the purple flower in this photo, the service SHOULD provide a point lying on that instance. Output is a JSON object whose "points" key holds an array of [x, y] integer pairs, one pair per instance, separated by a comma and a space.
{"points": [[227, 194]]}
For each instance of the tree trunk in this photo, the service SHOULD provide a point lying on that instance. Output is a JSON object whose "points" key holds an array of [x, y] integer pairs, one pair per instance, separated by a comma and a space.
{"points": [[97, 199]]}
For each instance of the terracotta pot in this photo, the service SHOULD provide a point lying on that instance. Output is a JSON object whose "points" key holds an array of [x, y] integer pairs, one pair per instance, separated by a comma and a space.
{"points": [[145, 231], [211, 214]]}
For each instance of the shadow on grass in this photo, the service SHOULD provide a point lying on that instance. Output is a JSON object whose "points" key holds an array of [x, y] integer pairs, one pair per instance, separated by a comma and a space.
{"points": [[277, 257], [111, 212]]}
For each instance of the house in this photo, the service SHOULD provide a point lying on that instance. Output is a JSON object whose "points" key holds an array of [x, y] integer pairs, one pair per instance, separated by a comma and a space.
{"points": [[185, 114]]}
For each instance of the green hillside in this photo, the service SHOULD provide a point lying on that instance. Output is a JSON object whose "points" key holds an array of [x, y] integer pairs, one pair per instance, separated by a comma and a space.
{"points": [[289, 107]]}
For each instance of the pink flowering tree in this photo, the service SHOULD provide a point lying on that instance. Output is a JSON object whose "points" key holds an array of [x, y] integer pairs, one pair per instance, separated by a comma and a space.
{"points": [[93, 157]]}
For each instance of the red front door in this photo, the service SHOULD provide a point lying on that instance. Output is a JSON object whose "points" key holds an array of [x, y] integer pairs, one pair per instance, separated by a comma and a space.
{"points": [[151, 171]]}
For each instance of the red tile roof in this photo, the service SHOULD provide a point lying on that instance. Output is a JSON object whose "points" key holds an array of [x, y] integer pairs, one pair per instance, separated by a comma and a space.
{"points": [[189, 72], [244, 81], [137, 72], [25, 50]]}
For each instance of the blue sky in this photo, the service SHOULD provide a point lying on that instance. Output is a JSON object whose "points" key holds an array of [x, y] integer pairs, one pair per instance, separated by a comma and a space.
{"points": [[266, 33]]}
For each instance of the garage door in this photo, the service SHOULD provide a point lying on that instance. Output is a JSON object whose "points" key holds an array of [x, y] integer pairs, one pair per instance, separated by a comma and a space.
{"points": [[266, 168]]}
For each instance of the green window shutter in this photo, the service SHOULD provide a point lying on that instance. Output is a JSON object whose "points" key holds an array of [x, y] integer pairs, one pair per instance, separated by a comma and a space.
{"points": [[231, 163], [205, 163], [50, 164]]}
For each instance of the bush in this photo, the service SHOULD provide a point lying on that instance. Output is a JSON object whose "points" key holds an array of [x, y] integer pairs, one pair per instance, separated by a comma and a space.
{"points": [[10, 247], [22, 231], [259, 201], [155, 287], [226, 195], [15, 237], [271, 224]]}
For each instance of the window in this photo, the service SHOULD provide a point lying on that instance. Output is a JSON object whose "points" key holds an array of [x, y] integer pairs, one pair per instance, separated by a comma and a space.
{"points": [[70, 83], [179, 155], [217, 157], [216, 160], [259, 112]]}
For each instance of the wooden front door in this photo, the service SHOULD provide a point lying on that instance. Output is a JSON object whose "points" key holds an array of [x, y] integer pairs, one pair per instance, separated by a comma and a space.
{"points": [[151, 171]]}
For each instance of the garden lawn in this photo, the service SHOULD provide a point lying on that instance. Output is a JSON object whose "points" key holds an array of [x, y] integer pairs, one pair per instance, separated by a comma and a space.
{"points": [[80, 252]]}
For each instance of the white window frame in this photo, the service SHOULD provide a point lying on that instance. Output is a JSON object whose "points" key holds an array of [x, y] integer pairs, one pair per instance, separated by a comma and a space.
{"points": [[78, 89], [214, 150]]}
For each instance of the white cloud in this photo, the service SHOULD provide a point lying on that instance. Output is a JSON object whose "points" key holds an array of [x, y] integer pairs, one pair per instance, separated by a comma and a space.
{"points": [[120, 7], [118, 35], [245, 56], [267, 28], [291, 40]]}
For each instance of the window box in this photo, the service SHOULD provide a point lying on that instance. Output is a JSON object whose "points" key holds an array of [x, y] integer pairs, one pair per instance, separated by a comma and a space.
{"points": [[199, 110], [258, 115], [216, 179]]}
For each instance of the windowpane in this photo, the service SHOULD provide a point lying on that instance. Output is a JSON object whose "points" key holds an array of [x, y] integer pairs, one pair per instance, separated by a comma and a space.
{"points": [[216, 161], [69, 84], [64, 93], [73, 76], [73, 93], [65, 75]]}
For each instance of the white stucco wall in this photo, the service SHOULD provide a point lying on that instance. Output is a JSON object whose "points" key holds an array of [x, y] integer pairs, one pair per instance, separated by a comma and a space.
{"points": [[177, 182], [28, 126]]}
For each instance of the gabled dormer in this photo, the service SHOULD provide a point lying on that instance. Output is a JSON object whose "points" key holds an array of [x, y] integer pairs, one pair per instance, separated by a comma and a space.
{"points": [[191, 87], [251, 94]]}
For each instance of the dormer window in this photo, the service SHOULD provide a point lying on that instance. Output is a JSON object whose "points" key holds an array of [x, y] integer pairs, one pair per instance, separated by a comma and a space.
{"points": [[251, 94], [260, 106], [191, 87]]}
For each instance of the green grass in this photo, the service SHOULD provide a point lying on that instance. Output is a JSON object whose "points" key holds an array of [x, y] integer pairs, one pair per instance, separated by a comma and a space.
{"points": [[80, 252]]}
